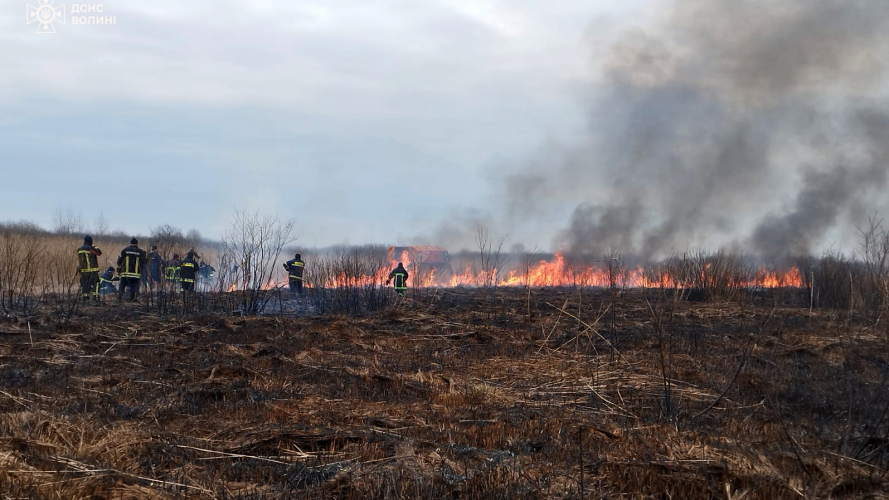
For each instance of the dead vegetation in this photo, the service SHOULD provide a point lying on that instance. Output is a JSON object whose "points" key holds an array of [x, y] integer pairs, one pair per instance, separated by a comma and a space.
{"points": [[523, 398]]}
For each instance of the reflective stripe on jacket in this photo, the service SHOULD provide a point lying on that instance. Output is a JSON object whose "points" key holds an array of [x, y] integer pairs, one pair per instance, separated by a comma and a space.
{"points": [[399, 280], [131, 261], [188, 271], [87, 259], [295, 269]]}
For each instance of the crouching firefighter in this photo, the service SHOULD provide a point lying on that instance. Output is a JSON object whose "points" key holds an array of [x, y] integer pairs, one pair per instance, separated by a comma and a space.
{"points": [[188, 273], [88, 267], [399, 278], [129, 265], [295, 268], [106, 282]]}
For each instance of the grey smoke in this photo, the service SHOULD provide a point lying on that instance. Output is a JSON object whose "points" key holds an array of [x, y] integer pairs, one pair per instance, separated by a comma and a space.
{"points": [[751, 122], [818, 205], [457, 231]]}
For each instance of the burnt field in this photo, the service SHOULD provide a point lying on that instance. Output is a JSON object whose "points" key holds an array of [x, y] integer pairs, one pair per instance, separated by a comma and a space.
{"points": [[458, 394]]}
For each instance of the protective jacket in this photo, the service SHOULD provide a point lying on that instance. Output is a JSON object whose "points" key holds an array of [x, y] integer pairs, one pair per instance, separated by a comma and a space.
{"points": [[188, 270], [171, 270], [295, 268], [155, 264], [87, 259], [131, 261], [108, 276], [399, 278], [106, 282], [206, 272]]}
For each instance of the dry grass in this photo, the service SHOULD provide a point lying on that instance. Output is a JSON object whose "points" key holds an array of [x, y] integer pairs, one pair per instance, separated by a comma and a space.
{"points": [[444, 400]]}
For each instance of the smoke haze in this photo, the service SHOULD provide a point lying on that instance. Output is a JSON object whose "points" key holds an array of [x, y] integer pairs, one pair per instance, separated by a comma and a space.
{"points": [[753, 124]]}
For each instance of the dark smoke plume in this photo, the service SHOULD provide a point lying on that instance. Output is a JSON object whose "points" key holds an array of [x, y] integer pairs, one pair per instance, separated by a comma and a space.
{"points": [[752, 123]]}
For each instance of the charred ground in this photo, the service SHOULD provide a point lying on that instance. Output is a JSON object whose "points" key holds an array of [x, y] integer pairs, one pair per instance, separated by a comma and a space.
{"points": [[463, 394]]}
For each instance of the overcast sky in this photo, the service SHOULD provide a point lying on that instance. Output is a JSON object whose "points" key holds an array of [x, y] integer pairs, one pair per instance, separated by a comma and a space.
{"points": [[366, 121]]}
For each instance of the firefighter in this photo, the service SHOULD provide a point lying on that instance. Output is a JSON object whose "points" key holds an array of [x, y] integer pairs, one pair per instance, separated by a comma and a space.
{"points": [[399, 276], [153, 268], [206, 271], [106, 282], [88, 267], [295, 268], [171, 269], [207, 274], [129, 264], [188, 273]]}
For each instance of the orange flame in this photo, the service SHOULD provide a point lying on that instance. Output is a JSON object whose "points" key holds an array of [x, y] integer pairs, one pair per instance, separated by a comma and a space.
{"points": [[547, 273]]}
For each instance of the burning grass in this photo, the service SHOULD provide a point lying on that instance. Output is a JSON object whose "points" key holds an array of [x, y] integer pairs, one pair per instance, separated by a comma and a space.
{"points": [[463, 396]]}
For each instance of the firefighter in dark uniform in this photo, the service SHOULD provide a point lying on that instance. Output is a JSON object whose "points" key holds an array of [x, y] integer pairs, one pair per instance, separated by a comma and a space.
{"points": [[171, 269], [106, 282], [399, 277], [206, 272], [130, 263], [153, 269], [188, 273], [88, 267], [295, 268]]}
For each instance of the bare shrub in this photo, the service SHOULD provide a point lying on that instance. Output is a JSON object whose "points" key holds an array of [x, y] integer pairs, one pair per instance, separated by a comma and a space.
{"points": [[351, 281], [60, 283], [253, 245], [101, 225], [67, 221], [875, 254], [21, 254], [576, 274], [491, 260], [657, 275], [528, 261], [834, 280], [707, 277], [617, 273]]}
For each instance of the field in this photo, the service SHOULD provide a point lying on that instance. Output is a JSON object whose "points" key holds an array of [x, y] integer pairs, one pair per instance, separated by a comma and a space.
{"points": [[464, 394]]}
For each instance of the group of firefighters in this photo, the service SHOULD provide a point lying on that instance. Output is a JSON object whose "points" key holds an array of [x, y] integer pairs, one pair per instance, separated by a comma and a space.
{"points": [[136, 267]]}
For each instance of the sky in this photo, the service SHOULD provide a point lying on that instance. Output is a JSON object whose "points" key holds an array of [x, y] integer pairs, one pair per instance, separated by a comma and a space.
{"points": [[364, 121]]}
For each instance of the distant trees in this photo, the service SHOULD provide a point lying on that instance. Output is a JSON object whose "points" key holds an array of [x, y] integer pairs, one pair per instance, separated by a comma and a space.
{"points": [[101, 225], [66, 221], [170, 239]]}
